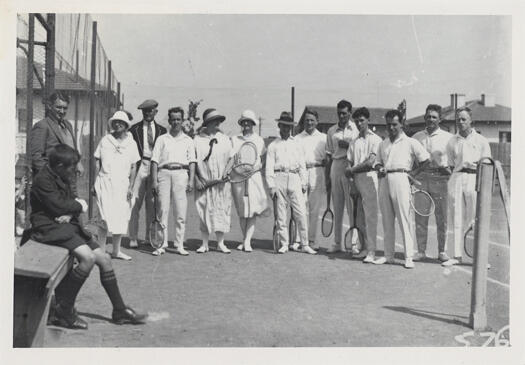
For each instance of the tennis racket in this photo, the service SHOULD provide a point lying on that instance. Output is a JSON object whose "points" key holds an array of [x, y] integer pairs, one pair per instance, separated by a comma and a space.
{"points": [[276, 240], [292, 229], [156, 229], [468, 240], [244, 163], [420, 200], [327, 222], [353, 234]]}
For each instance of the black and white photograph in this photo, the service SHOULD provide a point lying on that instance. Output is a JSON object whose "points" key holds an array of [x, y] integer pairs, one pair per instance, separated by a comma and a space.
{"points": [[285, 184]]}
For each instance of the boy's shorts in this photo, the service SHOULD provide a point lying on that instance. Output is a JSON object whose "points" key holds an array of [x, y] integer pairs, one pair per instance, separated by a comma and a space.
{"points": [[66, 235]]}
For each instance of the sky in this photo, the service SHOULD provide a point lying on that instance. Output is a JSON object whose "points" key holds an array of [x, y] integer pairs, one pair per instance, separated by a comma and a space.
{"points": [[237, 62]]}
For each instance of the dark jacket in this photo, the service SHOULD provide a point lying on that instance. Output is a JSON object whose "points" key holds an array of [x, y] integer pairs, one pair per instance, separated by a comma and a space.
{"points": [[45, 135], [50, 198], [137, 132]]}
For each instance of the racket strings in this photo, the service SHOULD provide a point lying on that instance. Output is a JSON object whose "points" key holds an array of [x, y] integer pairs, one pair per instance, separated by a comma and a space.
{"points": [[327, 223], [422, 203]]}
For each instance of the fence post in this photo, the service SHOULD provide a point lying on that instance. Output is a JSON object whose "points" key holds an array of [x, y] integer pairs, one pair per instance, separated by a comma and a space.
{"points": [[92, 119], [478, 303], [109, 97], [29, 110], [50, 58], [118, 96]]}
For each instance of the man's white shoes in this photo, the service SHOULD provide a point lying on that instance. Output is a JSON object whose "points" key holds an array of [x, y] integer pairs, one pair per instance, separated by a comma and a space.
{"points": [[409, 264], [335, 248], [309, 250], [182, 251], [383, 260], [451, 262], [296, 247], [370, 257], [133, 244], [283, 249], [158, 252], [419, 256]]}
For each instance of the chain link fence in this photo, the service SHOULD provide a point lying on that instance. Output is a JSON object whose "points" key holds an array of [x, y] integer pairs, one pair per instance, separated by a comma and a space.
{"points": [[82, 70]]}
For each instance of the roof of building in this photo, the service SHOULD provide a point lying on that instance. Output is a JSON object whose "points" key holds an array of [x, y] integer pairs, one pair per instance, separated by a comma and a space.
{"points": [[328, 114], [480, 113], [63, 80]]}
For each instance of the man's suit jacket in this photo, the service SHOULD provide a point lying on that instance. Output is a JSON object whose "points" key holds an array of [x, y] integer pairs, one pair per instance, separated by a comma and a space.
{"points": [[45, 135], [137, 132]]}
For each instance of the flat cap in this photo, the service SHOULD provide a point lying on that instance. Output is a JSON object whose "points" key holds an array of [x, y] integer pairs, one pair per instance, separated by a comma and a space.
{"points": [[148, 104]]}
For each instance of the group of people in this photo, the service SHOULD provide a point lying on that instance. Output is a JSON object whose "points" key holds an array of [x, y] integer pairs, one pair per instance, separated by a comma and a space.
{"points": [[138, 163]]}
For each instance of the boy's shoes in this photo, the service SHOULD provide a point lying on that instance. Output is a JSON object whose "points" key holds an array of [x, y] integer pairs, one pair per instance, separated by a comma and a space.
{"points": [[127, 316], [68, 318]]}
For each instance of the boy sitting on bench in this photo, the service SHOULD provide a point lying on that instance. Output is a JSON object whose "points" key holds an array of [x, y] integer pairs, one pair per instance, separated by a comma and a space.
{"points": [[55, 221]]}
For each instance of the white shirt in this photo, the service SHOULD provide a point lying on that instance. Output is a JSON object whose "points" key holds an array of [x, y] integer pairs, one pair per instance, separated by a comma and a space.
{"points": [[116, 156], [336, 134], [147, 151], [362, 147], [466, 152], [313, 145], [285, 154], [401, 153], [436, 146], [169, 149]]}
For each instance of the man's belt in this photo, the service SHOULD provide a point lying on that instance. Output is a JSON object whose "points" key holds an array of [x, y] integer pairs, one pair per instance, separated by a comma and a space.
{"points": [[468, 171], [290, 171], [312, 165], [146, 158], [397, 170], [364, 171], [174, 167]]}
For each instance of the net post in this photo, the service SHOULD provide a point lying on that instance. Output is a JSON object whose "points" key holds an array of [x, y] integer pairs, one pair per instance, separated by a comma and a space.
{"points": [[478, 304]]}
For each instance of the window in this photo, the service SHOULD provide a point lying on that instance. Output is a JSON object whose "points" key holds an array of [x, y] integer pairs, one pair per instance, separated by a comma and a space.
{"points": [[504, 136], [22, 120]]}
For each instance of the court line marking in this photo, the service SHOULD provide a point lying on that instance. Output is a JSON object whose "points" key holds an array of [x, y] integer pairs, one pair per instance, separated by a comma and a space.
{"points": [[455, 267]]}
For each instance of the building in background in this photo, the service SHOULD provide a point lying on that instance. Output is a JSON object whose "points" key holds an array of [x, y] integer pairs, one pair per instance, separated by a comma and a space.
{"points": [[491, 120]]}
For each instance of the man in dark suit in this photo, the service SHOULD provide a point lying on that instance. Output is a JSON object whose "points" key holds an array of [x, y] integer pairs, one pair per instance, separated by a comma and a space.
{"points": [[145, 134], [51, 131]]}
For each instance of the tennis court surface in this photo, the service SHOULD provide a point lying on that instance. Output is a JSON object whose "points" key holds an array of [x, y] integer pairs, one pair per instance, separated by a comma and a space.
{"points": [[261, 299]]}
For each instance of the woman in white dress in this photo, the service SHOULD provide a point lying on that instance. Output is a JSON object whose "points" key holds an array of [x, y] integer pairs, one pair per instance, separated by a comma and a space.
{"points": [[257, 200], [213, 192], [117, 155]]}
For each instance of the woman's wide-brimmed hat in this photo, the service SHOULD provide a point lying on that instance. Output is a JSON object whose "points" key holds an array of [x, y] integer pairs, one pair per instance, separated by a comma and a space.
{"points": [[286, 118], [249, 115], [122, 116], [211, 115]]}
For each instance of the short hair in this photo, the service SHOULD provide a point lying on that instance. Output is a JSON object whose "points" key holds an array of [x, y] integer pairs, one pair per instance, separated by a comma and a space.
{"points": [[435, 108], [176, 109], [394, 113], [57, 95], [464, 109], [313, 112], [344, 104], [363, 111], [63, 154]]}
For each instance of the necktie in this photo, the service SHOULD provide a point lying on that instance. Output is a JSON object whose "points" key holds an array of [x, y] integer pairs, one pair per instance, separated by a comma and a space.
{"points": [[150, 136]]}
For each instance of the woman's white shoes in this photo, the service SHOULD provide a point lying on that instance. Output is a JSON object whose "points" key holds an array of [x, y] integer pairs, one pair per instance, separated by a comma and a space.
{"points": [[203, 249], [223, 248]]}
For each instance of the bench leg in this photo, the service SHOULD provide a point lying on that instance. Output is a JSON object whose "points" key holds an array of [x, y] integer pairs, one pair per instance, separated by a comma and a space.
{"points": [[31, 308]]}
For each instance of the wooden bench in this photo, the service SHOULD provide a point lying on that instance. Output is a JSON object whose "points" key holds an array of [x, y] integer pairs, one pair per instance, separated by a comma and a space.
{"points": [[39, 268]]}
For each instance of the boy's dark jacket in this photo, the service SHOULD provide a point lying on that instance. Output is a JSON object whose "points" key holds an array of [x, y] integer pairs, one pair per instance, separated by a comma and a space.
{"points": [[51, 197]]}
